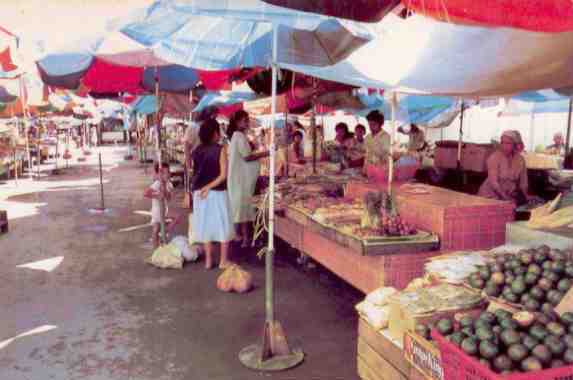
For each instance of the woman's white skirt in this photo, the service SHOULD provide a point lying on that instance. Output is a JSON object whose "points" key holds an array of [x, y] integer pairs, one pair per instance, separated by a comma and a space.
{"points": [[212, 218]]}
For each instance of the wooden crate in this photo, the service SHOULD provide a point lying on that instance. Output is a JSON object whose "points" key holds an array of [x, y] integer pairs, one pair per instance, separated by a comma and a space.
{"points": [[380, 359]]}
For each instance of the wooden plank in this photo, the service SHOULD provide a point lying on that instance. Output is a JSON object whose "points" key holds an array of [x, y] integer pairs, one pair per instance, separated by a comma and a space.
{"points": [[383, 346], [378, 364], [365, 372], [289, 231]]}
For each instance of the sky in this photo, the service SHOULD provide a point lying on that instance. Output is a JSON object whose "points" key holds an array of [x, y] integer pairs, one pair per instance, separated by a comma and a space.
{"points": [[53, 23]]}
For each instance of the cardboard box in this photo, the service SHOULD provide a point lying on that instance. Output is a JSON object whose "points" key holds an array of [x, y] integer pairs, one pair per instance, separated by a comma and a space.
{"points": [[423, 356], [474, 157]]}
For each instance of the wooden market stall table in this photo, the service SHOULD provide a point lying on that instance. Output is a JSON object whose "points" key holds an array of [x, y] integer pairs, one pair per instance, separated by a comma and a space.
{"points": [[380, 357], [461, 221]]}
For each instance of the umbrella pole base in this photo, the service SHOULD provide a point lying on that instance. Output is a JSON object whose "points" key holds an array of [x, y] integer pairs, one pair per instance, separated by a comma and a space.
{"points": [[274, 354]]}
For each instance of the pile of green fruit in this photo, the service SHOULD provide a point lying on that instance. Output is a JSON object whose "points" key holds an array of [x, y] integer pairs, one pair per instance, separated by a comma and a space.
{"points": [[506, 342], [537, 279]]}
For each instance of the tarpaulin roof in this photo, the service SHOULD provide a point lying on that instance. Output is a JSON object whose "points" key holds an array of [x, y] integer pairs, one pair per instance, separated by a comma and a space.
{"points": [[542, 16], [420, 55], [5, 96], [358, 10], [218, 35]]}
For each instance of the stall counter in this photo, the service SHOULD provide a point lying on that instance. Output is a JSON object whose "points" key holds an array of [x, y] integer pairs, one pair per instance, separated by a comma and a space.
{"points": [[461, 221]]}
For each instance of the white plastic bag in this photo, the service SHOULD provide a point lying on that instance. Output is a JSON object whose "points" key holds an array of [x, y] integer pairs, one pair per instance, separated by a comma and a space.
{"points": [[166, 257], [182, 244], [376, 316], [379, 297]]}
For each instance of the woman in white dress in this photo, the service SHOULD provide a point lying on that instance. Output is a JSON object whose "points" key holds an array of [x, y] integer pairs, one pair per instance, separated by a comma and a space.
{"points": [[244, 170], [211, 219]]}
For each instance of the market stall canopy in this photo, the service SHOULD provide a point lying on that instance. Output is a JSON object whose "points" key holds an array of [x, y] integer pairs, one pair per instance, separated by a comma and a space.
{"points": [[357, 10], [418, 55], [537, 102], [110, 64], [5, 96], [542, 16], [219, 35]]}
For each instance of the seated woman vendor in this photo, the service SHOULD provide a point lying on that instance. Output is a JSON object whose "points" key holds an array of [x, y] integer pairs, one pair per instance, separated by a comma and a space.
{"points": [[506, 172], [334, 150]]}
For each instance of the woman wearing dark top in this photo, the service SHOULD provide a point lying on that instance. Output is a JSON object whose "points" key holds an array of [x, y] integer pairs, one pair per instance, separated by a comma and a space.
{"points": [[211, 220]]}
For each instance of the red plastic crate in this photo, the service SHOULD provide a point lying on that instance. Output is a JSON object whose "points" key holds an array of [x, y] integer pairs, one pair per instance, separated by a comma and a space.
{"points": [[460, 366]]}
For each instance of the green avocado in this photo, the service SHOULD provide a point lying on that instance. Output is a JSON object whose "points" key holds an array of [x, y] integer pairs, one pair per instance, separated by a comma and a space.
{"points": [[502, 363], [466, 321], [488, 349], [558, 267], [517, 352], [531, 278], [568, 356], [518, 287], [568, 340], [457, 338], [545, 284], [485, 333], [542, 353], [531, 364], [535, 269], [509, 324], [490, 318], [556, 329], [538, 332], [537, 293], [509, 337], [555, 345], [529, 342], [445, 326], [501, 313], [532, 305], [567, 318], [470, 346]]}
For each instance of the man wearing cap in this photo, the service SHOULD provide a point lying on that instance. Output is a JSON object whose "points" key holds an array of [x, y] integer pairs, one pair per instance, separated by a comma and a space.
{"points": [[377, 143], [506, 172]]}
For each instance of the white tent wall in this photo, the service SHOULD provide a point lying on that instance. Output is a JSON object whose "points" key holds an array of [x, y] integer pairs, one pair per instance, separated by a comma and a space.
{"points": [[483, 125]]}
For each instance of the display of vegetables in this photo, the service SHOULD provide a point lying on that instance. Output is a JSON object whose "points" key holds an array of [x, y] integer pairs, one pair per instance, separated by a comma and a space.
{"points": [[537, 279], [380, 213], [505, 342]]}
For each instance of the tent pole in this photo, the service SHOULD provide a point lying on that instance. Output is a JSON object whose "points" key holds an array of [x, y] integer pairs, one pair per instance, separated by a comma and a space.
{"points": [[460, 136], [532, 132], [285, 142], [274, 353], [568, 135], [313, 124], [394, 104], [159, 162]]}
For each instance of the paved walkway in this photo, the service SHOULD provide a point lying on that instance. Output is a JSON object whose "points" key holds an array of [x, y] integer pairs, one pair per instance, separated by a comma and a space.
{"points": [[78, 302]]}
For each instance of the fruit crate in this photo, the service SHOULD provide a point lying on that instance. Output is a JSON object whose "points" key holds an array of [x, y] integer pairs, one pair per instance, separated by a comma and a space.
{"points": [[460, 366]]}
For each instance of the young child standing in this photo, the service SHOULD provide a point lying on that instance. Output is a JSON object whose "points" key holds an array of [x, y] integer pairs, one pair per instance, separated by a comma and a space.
{"points": [[161, 178]]}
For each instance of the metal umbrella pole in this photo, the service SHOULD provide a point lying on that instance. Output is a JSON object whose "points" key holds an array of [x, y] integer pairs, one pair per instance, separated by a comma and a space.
{"points": [[313, 124], [159, 158], [274, 353], [460, 137], [394, 104]]}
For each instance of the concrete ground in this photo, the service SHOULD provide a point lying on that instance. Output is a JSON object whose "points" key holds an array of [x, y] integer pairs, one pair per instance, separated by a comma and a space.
{"points": [[96, 311]]}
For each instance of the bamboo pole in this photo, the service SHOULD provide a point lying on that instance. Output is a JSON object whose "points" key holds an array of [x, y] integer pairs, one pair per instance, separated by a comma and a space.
{"points": [[568, 135], [394, 103], [159, 159]]}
